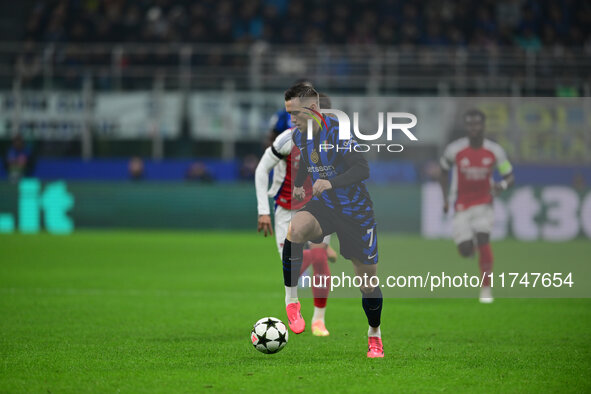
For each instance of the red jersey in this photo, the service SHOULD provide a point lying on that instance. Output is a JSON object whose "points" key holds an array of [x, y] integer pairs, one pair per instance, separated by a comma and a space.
{"points": [[472, 171], [284, 196]]}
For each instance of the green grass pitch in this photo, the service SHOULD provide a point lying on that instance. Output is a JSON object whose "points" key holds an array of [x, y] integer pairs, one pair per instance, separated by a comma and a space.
{"points": [[172, 312]]}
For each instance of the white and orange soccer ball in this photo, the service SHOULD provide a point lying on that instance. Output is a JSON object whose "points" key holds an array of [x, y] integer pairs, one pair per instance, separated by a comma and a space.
{"points": [[269, 335]]}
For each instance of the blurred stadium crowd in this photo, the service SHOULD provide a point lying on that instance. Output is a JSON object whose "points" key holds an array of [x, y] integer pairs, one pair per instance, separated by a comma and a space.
{"points": [[402, 46], [525, 23]]}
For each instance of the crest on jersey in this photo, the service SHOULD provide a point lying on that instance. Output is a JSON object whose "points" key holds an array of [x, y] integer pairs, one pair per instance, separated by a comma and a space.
{"points": [[314, 157], [486, 161], [465, 162]]}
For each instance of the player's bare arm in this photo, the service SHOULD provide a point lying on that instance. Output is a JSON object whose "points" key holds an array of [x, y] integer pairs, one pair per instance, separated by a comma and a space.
{"points": [[267, 162]]}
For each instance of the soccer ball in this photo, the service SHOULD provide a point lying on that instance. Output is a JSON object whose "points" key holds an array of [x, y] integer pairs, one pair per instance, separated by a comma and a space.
{"points": [[269, 335]]}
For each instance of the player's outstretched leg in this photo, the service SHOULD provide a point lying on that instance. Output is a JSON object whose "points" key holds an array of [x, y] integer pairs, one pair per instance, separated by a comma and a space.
{"points": [[302, 228], [372, 305], [485, 261], [319, 261], [292, 262], [372, 301], [306, 260]]}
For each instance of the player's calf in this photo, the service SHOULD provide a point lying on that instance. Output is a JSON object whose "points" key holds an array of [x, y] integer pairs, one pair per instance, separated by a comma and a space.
{"points": [[292, 262], [320, 288], [485, 262], [372, 301], [293, 254], [318, 259]]}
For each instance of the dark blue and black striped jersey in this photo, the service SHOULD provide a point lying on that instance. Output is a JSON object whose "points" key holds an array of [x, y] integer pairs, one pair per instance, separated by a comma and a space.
{"points": [[328, 163]]}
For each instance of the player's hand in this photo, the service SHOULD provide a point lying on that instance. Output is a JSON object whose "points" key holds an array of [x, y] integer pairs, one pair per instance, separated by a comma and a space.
{"points": [[299, 193], [445, 206], [320, 186], [499, 187], [264, 224]]}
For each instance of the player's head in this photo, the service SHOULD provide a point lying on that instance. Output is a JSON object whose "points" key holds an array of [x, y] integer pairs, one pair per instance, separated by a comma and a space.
{"points": [[474, 123], [300, 99]]}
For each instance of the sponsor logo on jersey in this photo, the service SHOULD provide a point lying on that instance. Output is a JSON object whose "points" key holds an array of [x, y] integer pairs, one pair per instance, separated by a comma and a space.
{"points": [[475, 173], [320, 168], [323, 171]]}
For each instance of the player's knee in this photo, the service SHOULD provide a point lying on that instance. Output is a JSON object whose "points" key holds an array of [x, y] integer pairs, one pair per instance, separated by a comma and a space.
{"points": [[466, 249], [365, 290], [297, 234]]}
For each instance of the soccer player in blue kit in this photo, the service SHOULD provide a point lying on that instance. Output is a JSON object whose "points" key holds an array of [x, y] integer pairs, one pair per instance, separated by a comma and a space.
{"points": [[341, 204]]}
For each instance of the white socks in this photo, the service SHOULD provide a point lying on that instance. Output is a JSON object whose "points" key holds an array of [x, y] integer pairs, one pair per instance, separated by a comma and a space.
{"points": [[374, 332], [291, 294], [318, 314]]}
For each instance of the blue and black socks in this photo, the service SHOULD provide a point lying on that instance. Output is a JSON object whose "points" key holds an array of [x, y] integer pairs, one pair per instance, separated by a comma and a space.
{"points": [[372, 305], [293, 254]]}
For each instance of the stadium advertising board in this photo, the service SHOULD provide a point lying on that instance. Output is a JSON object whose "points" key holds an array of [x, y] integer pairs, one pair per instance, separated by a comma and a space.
{"points": [[64, 116], [36, 205], [552, 213]]}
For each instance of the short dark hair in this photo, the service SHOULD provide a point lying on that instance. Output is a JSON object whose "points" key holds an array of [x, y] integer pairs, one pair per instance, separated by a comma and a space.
{"points": [[300, 90], [475, 112], [324, 101]]}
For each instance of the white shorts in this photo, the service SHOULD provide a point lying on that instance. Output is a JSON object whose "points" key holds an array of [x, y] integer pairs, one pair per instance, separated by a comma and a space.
{"points": [[476, 219], [282, 218]]}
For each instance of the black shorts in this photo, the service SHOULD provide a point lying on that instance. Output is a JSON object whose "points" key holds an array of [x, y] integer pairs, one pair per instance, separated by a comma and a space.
{"points": [[357, 232]]}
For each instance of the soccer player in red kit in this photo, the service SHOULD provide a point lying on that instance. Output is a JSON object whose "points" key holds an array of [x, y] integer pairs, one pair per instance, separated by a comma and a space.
{"points": [[473, 159]]}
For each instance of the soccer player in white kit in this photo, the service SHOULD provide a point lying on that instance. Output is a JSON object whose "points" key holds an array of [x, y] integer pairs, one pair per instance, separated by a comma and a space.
{"points": [[474, 159], [281, 157]]}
